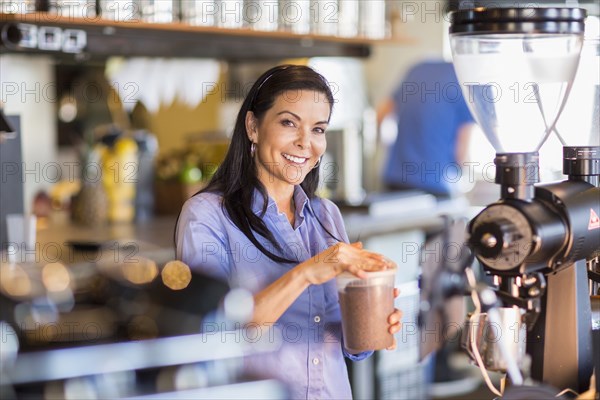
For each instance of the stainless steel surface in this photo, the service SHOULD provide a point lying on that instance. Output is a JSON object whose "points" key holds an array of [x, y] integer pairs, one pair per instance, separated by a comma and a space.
{"points": [[229, 13], [324, 15], [198, 12], [342, 164], [104, 359], [120, 10], [261, 15], [373, 19], [11, 195], [403, 216], [511, 332], [152, 239], [160, 11], [259, 390], [295, 16]]}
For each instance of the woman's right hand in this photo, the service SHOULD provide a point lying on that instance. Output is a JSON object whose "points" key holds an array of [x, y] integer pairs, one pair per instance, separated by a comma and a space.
{"points": [[339, 258]]}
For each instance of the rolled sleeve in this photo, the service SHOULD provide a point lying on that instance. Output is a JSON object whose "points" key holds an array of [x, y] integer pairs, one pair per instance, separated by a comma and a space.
{"points": [[356, 357]]}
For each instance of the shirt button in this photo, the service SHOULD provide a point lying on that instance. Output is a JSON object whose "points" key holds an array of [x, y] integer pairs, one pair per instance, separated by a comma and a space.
{"points": [[315, 360], [317, 319]]}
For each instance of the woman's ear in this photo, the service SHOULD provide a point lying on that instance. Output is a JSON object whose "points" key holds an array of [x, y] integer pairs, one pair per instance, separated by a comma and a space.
{"points": [[251, 127]]}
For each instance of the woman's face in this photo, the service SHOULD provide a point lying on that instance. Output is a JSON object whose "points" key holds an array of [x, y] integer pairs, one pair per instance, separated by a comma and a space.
{"points": [[290, 138]]}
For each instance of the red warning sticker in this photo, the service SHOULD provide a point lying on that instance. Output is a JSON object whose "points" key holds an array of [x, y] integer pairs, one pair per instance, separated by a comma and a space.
{"points": [[594, 220]]}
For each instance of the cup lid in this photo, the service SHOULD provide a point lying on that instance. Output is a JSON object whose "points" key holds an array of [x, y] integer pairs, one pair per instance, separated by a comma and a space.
{"points": [[370, 274]]}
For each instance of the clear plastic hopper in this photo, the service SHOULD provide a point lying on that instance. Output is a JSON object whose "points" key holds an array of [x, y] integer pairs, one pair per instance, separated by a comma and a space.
{"points": [[515, 77], [516, 84], [579, 124], [516, 67]]}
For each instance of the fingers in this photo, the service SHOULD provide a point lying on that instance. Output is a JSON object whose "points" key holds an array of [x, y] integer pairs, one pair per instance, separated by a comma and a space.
{"points": [[367, 260], [363, 265], [394, 321], [371, 262], [352, 258], [395, 316], [385, 262], [376, 259], [356, 270], [393, 346], [395, 326], [396, 292]]}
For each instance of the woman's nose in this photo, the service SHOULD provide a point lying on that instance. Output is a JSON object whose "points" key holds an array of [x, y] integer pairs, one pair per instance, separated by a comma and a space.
{"points": [[303, 139]]}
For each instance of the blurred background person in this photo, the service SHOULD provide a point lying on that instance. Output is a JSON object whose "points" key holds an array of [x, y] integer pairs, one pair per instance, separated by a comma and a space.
{"points": [[433, 130]]}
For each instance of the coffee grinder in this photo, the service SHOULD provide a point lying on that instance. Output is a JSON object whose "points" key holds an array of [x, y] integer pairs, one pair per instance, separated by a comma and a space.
{"points": [[539, 242]]}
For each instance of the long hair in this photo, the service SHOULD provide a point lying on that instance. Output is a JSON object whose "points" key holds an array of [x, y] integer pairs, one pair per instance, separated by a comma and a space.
{"points": [[236, 178]]}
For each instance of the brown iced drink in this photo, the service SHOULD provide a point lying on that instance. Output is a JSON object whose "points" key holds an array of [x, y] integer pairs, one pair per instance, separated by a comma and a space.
{"points": [[365, 312]]}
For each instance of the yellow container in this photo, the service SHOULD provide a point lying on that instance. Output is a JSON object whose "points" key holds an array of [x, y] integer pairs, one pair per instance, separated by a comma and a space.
{"points": [[119, 176]]}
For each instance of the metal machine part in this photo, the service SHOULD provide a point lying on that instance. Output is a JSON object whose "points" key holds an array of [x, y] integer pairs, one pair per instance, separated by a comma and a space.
{"points": [[517, 173], [582, 163], [553, 233], [548, 233], [503, 237], [518, 20], [488, 335], [536, 239]]}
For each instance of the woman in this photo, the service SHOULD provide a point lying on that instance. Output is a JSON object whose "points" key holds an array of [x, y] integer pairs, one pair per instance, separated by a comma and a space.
{"points": [[259, 225]]}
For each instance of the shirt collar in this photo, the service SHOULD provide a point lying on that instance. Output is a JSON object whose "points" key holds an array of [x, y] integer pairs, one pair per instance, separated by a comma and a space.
{"points": [[301, 201]]}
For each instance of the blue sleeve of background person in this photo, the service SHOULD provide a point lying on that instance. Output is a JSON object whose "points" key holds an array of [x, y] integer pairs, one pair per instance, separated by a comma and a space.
{"points": [[408, 85]]}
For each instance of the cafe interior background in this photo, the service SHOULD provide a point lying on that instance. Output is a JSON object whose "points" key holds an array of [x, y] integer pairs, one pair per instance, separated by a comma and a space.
{"points": [[114, 126]]}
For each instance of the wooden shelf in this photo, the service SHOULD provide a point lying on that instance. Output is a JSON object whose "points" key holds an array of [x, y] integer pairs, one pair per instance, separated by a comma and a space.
{"points": [[107, 38]]}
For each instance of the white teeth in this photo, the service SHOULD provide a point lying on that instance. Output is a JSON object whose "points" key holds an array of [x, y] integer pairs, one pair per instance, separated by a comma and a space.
{"points": [[297, 160]]}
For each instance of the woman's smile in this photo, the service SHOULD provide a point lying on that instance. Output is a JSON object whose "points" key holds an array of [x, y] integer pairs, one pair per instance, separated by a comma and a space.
{"points": [[295, 159]]}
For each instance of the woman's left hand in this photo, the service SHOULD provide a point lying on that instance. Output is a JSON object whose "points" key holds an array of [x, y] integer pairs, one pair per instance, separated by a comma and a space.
{"points": [[394, 321]]}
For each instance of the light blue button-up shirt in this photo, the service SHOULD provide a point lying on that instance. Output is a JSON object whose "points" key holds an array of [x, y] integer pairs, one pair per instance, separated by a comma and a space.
{"points": [[311, 359]]}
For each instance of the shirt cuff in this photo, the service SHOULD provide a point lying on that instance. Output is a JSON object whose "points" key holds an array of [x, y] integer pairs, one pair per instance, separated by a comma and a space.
{"points": [[357, 357]]}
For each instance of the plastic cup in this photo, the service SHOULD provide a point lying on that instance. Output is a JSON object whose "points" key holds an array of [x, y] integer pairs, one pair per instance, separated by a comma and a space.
{"points": [[366, 305]]}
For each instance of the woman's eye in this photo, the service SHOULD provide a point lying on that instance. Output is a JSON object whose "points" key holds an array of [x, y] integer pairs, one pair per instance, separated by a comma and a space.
{"points": [[319, 130], [287, 122]]}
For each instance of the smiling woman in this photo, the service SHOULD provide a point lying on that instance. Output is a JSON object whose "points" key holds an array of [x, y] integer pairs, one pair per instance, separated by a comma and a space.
{"points": [[258, 225], [289, 141], [249, 169]]}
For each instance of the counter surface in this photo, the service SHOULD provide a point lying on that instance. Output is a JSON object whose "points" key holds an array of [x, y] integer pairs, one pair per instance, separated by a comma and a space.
{"points": [[424, 214], [69, 243]]}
